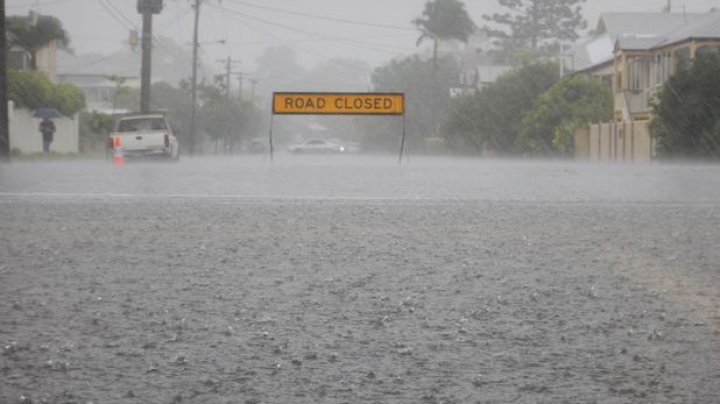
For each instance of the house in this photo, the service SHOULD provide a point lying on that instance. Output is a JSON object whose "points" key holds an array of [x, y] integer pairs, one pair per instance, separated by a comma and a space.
{"points": [[45, 57], [23, 123], [647, 49], [642, 65], [596, 55], [477, 70], [100, 89], [100, 75], [17, 58]]}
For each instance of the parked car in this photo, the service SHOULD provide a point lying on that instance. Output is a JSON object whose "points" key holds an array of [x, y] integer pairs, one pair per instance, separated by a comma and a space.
{"points": [[258, 145], [317, 146], [350, 147], [145, 134]]}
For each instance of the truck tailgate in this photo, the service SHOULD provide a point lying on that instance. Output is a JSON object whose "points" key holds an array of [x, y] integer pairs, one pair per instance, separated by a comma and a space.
{"points": [[142, 141]]}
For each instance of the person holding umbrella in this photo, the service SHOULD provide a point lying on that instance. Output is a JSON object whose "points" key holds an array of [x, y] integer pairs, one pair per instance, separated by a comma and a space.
{"points": [[47, 128]]}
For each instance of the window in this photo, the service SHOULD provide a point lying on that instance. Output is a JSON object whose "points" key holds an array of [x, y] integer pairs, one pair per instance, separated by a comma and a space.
{"points": [[141, 124]]}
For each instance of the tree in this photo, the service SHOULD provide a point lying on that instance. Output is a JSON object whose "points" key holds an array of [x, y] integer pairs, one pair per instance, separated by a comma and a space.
{"points": [[338, 74], [278, 69], [492, 118], [221, 118], [569, 105], [410, 76], [32, 34], [687, 121], [442, 20], [536, 26], [33, 90], [94, 128], [229, 120]]}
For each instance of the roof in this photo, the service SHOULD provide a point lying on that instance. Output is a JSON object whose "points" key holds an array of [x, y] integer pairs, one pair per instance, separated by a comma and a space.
{"points": [[631, 43], [705, 27], [643, 24], [595, 52], [642, 31]]}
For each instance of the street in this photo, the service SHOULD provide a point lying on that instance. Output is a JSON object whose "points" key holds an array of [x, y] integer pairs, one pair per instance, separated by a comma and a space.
{"points": [[352, 279]]}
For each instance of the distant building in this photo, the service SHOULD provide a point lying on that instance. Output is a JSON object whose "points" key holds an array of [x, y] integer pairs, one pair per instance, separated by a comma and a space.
{"points": [[99, 90], [647, 49], [45, 57], [17, 58], [99, 75], [643, 64], [477, 70], [595, 56]]}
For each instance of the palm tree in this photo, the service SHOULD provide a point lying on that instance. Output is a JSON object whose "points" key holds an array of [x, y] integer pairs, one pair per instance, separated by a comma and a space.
{"points": [[32, 34], [443, 20]]}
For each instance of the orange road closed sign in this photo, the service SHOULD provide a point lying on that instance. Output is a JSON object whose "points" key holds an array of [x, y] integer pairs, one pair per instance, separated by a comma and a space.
{"points": [[338, 103]]}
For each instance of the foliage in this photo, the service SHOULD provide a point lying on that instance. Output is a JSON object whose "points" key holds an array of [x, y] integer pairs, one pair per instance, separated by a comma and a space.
{"points": [[94, 129], [410, 76], [493, 117], [68, 99], [687, 121], [217, 115], [338, 74], [278, 69], [33, 90], [32, 36], [230, 120], [444, 20], [568, 105], [535, 27]]}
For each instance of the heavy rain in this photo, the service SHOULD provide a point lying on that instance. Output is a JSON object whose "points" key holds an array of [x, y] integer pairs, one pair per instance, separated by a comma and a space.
{"points": [[441, 201]]}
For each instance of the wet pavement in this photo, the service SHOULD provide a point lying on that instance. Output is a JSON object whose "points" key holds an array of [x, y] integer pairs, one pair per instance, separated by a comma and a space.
{"points": [[354, 280]]}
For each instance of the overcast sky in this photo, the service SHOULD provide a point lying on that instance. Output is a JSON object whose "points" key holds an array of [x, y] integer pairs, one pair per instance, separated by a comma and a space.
{"points": [[380, 30]]}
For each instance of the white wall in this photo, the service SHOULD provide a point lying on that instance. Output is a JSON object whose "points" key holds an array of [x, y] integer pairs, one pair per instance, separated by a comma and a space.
{"points": [[25, 136]]}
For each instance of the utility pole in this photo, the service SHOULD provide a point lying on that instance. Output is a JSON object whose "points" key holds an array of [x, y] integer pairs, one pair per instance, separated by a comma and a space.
{"points": [[193, 85], [4, 124], [147, 8], [253, 83], [229, 63]]}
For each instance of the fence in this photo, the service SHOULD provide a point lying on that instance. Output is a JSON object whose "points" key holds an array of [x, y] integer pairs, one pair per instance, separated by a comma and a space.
{"points": [[618, 142], [25, 137]]}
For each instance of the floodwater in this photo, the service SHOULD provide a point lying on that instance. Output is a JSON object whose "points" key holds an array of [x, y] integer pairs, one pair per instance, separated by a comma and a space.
{"points": [[367, 178], [356, 280]]}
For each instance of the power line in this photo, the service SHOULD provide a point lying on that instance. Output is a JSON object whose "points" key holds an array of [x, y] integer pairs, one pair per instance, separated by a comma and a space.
{"points": [[114, 16], [349, 42], [174, 20], [81, 66], [322, 17], [111, 4], [295, 46]]}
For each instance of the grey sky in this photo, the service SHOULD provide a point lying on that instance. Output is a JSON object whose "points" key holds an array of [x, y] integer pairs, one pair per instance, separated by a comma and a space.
{"points": [[102, 25]]}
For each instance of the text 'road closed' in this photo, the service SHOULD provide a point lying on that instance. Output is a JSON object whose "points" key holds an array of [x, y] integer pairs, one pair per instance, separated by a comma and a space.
{"points": [[339, 103]]}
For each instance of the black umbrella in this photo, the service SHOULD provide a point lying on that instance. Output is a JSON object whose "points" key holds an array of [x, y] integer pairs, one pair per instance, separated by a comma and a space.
{"points": [[47, 113]]}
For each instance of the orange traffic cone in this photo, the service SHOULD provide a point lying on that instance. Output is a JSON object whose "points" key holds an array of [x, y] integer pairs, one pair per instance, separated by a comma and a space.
{"points": [[118, 155]]}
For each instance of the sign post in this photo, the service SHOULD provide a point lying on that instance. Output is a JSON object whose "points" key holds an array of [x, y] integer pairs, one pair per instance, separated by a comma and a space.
{"points": [[310, 103]]}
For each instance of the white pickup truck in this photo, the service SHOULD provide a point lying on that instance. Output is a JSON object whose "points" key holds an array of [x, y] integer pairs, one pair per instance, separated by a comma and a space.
{"points": [[144, 135]]}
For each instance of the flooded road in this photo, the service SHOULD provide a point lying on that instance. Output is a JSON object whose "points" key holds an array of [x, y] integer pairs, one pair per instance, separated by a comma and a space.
{"points": [[357, 280], [362, 177]]}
